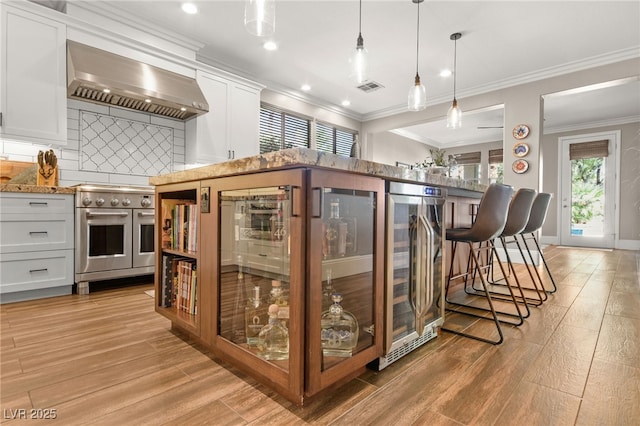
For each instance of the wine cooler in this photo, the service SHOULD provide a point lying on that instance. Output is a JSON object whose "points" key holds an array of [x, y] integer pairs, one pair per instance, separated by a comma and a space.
{"points": [[414, 270]]}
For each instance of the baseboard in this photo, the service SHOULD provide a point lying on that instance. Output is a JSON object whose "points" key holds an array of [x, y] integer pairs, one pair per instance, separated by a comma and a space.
{"points": [[628, 244]]}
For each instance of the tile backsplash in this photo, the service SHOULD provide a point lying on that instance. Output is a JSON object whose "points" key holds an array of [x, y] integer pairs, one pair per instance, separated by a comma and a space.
{"points": [[110, 145]]}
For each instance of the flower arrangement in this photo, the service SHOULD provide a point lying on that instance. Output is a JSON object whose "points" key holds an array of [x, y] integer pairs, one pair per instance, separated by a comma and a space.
{"points": [[437, 158]]}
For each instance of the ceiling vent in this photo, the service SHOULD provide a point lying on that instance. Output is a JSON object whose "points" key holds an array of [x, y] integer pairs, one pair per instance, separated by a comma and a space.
{"points": [[370, 86]]}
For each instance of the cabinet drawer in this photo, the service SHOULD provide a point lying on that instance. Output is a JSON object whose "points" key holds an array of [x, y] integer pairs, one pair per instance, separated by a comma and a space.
{"points": [[45, 204], [20, 233], [32, 271]]}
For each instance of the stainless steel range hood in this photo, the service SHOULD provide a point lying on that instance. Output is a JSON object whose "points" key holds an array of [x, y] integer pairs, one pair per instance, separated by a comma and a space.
{"points": [[102, 77]]}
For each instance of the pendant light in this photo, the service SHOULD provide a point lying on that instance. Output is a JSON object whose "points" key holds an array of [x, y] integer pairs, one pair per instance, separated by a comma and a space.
{"points": [[454, 115], [358, 60], [260, 17], [417, 94]]}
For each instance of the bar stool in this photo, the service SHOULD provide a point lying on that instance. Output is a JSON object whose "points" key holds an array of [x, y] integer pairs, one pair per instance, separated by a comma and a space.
{"points": [[489, 224], [536, 220], [517, 219]]}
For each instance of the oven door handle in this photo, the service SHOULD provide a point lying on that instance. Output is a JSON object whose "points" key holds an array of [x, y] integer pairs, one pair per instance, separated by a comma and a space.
{"points": [[117, 214], [141, 214]]}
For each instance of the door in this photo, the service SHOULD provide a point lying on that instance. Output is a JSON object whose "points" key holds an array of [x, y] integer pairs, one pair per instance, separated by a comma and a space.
{"points": [[588, 194], [345, 300], [105, 240]]}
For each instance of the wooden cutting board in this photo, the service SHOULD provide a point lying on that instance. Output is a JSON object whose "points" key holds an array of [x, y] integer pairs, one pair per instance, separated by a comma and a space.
{"points": [[10, 169]]}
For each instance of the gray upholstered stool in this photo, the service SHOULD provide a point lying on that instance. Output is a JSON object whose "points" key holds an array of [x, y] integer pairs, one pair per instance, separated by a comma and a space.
{"points": [[489, 224], [536, 220]]}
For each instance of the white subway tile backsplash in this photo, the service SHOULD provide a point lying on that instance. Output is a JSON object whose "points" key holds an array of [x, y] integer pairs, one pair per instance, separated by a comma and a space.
{"points": [[130, 115], [87, 106], [148, 151]]}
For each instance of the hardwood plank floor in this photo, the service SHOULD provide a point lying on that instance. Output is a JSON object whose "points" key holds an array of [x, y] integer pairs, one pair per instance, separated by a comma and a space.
{"points": [[107, 358]]}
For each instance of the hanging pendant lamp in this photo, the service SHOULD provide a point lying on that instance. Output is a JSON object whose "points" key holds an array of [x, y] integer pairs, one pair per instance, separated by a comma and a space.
{"points": [[358, 61], [260, 17], [417, 93], [454, 115]]}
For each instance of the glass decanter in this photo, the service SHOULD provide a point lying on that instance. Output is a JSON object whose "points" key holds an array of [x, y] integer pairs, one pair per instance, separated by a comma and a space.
{"points": [[255, 317], [273, 340], [339, 334]]}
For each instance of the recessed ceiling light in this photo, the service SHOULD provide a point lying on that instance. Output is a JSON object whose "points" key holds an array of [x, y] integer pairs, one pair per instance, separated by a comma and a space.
{"points": [[445, 73], [346, 103], [106, 90], [183, 109], [189, 8], [270, 45], [148, 101], [305, 87]]}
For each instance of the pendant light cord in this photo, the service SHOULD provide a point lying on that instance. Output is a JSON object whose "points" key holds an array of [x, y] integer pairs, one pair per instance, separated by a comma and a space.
{"points": [[360, 20], [455, 65], [418, 39]]}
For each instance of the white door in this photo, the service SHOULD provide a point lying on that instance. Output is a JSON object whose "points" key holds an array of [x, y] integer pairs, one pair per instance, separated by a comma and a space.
{"points": [[588, 189]]}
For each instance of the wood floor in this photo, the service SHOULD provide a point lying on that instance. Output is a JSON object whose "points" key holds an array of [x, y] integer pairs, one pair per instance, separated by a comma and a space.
{"points": [[108, 359]]}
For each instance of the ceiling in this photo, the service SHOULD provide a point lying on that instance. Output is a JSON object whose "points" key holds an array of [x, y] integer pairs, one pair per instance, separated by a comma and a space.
{"points": [[504, 43]]}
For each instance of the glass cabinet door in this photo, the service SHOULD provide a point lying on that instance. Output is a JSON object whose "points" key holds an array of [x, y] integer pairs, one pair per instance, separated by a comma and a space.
{"points": [[345, 275], [259, 273]]}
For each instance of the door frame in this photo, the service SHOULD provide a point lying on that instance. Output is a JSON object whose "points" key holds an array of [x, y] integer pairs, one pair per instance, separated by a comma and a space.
{"points": [[614, 137]]}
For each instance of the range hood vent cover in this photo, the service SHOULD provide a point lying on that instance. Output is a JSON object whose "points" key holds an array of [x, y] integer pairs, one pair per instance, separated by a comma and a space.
{"points": [[105, 78]]}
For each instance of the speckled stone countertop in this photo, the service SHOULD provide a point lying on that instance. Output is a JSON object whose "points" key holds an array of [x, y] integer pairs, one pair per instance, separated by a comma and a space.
{"points": [[296, 157], [35, 189]]}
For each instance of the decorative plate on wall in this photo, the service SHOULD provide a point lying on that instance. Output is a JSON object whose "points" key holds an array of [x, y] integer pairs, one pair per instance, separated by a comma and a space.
{"points": [[521, 131], [520, 166], [520, 149]]}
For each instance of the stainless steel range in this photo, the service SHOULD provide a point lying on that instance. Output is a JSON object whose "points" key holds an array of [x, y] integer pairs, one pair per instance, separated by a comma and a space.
{"points": [[114, 233]]}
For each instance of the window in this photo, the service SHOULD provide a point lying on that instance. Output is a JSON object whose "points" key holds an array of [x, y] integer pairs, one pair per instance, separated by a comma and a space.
{"points": [[467, 166], [281, 130], [496, 166], [334, 140]]}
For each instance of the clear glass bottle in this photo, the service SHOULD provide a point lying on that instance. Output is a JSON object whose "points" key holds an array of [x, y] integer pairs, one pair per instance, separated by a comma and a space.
{"points": [[335, 233], [339, 330], [273, 339], [255, 315], [279, 296]]}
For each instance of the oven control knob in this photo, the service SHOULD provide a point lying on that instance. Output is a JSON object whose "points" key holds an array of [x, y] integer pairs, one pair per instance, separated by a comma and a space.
{"points": [[86, 201], [126, 202], [99, 201], [145, 202], [114, 202]]}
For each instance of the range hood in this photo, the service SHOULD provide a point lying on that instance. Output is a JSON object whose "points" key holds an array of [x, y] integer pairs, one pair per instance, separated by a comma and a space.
{"points": [[105, 78]]}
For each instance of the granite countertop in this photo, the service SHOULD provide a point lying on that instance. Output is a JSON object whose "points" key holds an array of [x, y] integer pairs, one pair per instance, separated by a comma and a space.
{"points": [[296, 157], [35, 189]]}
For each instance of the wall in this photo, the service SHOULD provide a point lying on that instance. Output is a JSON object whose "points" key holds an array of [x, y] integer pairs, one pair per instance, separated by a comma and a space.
{"points": [[629, 208], [389, 148], [128, 160]]}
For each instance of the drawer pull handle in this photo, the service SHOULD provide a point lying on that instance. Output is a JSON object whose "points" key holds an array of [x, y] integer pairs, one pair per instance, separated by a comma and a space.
{"points": [[38, 203], [38, 232], [38, 270]]}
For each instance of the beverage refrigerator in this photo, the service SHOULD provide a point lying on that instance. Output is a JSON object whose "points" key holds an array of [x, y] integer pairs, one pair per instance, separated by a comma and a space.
{"points": [[414, 276]]}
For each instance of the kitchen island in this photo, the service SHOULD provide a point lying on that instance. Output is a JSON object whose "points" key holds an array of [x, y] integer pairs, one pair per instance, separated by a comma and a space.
{"points": [[298, 229]]}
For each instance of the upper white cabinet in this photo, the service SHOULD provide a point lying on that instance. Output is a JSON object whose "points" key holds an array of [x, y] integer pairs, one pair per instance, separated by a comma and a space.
{"points": [[231, 128], [33, 99]]}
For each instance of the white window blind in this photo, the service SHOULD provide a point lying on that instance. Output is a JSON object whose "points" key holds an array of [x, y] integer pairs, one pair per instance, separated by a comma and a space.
{"points": [[333, 139], [281, 130]]}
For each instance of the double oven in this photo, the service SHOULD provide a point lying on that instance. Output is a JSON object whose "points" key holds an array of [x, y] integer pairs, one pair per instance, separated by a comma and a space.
{"points": [[114, 233]]}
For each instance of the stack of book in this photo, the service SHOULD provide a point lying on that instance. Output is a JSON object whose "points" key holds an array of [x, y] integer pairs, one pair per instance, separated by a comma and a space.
{"points": [[179, 283]]}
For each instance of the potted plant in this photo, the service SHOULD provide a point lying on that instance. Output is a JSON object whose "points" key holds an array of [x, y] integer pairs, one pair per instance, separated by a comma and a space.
{"points": [[438, 162]]}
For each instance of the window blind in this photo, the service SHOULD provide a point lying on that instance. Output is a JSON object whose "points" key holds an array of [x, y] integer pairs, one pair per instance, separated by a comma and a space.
{"points": [[334, 140], [594, 149], [496, 156], [468, 158], [281, 130]]}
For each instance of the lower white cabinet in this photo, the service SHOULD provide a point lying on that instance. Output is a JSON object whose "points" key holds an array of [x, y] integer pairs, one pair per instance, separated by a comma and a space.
{"points": [[36, 245]]}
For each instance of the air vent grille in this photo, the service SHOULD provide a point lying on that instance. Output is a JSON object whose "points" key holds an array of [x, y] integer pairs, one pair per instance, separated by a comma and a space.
{"points": [[370, 86], [98, 96]]}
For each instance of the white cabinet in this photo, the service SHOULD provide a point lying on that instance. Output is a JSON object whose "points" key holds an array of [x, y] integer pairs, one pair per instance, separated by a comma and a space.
{"points": [[231, 128], [36, 245], [33, 99]]}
